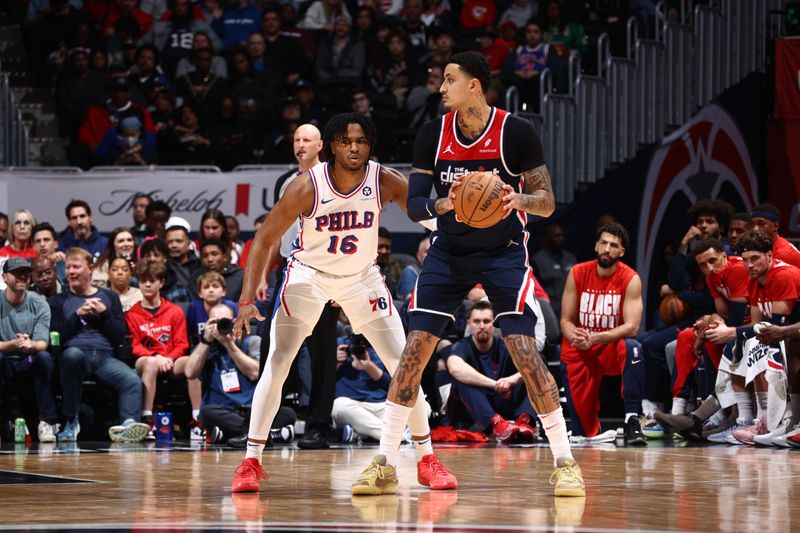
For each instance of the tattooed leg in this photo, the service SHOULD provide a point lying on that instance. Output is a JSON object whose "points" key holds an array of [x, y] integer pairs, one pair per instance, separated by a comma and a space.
{"points": [[405, 382], [542, 388]]}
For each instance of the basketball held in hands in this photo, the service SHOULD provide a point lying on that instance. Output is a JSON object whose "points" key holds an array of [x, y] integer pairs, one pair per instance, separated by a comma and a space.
{"points": [[479, 200]]}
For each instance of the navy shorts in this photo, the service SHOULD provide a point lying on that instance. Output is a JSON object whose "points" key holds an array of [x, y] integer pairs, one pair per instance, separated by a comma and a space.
{"points": [[446, 279]]}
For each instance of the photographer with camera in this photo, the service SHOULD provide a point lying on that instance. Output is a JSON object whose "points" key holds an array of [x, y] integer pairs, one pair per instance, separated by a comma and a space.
{"points": [[228, 372], [361, 386]]}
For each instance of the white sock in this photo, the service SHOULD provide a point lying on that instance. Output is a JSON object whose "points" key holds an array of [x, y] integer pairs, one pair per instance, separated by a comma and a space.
{"points": [[794, 402], [395, 417], [678, 406], [649, 408], [147, 413], [717, 418], [422, 447], [556, 430], [761, 402], [628, 416], [745, 403], [255, 450], [196, 414]]}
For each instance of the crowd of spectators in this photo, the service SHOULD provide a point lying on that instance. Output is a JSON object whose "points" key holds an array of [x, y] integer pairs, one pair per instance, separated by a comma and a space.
{"points": [[226, 82]]}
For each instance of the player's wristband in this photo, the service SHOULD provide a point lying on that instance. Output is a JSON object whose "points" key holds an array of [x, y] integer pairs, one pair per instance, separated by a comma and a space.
{"points": [[245, 302]]}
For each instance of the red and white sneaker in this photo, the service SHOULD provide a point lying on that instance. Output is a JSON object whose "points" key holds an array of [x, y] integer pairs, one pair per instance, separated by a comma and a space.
{"points": [[527, 432], [248, 476], [432, 473], [502, 429], [747, 434]]}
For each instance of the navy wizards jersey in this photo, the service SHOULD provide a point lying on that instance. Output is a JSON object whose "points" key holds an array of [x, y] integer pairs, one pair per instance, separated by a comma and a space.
{"points": [[508, 146]]}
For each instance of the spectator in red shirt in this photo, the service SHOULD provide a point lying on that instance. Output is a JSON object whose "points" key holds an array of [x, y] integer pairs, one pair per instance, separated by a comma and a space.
{"points": [[100, 118], [20, 245], [478, 14], [128, 8], [495, 53], [160, 342]]}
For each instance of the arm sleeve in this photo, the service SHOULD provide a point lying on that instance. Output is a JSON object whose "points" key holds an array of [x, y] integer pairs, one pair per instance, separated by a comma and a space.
{"points": [[138, 349], [736, 313], [41, 324], [419, 203], [424, 156], [180, 343], [522, 145], [114, 321]]}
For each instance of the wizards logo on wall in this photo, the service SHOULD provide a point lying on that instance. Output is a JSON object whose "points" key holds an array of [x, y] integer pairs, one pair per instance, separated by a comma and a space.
{"points": [[706, 158]]}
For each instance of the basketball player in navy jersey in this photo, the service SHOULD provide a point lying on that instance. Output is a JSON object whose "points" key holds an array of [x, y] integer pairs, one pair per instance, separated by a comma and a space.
{"points": [[338, 204], [472, 137]]}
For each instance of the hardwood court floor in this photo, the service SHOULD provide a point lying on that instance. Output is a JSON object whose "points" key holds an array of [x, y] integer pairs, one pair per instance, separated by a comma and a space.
{"points": [[660, 487]]}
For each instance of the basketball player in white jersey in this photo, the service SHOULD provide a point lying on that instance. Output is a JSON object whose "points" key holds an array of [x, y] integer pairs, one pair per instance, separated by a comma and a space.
{"points": [[339, 204]]}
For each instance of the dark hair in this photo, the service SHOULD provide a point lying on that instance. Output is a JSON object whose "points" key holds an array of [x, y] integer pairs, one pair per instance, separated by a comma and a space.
{"points": [[616, 229], [719, 209], [110, 253], [231, 217], [158, 205], [336, 130], [480, 305], [150, 269], [145, 47], [214, 242], [754, 241], [474, 64], [177, 227], [219, 216], [142, 195], [77, 203], [709, 243], [742, 215], [384, 232], [261, 218], [42, 226], [154, 245], [3, 215]]}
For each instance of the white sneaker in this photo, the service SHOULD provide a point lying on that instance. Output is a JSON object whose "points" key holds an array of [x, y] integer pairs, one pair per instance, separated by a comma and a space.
{"points": [[608, 436], [46, 433], [791, 432], [767, 438]]}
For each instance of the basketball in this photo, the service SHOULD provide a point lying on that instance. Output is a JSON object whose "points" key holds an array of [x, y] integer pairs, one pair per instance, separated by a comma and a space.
{"points": [[479, 200], [673, 309]]}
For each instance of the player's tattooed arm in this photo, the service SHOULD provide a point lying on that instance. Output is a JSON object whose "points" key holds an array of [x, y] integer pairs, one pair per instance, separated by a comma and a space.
{"points": [[538, 198], [542, 388], [405, 382]]}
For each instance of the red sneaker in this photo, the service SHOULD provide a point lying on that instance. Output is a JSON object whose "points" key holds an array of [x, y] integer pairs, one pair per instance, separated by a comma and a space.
{"points": [[247, 476], [527, 432], [502, 429], [432, 473]]}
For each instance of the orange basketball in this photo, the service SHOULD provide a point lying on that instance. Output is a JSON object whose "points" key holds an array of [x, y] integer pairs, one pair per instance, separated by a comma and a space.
{"points": [[479, 200], [673, 309]]}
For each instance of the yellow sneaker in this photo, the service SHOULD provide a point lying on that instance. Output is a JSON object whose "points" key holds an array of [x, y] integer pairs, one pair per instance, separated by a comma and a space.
{"points": [[376, 479], [567, 478]]}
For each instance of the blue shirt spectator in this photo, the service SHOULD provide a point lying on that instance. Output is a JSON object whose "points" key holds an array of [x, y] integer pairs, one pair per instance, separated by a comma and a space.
{"points": [[237, 23]]}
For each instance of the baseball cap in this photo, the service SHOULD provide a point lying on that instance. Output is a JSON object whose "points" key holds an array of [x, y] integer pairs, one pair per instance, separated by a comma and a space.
{"points": [[178, 221], [16, 263]]}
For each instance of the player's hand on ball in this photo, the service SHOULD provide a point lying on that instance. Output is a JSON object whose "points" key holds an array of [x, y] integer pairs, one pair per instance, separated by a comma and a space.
{"points": [[511, 200], [447, 203], [242, 322]]}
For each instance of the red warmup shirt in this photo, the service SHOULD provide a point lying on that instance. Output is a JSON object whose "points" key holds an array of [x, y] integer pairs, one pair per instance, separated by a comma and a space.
{"points": [[783, 285], [730, 282], [496, 55], [27, 253], [162, 333], [785, 251], [600, 299], [144, 20]]}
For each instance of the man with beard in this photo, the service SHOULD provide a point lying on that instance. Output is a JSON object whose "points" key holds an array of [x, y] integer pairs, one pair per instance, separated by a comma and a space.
{"points": [[81, 232], [600, 314], [486, 383], [139, 213]]}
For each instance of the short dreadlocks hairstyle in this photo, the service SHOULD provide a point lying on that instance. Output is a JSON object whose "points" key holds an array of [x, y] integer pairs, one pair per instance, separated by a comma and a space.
{"points": [[336, 130]]}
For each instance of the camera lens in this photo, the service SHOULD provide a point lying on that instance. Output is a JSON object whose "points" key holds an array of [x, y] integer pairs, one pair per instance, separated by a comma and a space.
{"points": [[225, 326]]}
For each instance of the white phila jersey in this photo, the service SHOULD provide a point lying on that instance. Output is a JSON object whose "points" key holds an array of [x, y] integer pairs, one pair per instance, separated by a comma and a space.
{"points": [[340, 236]]}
